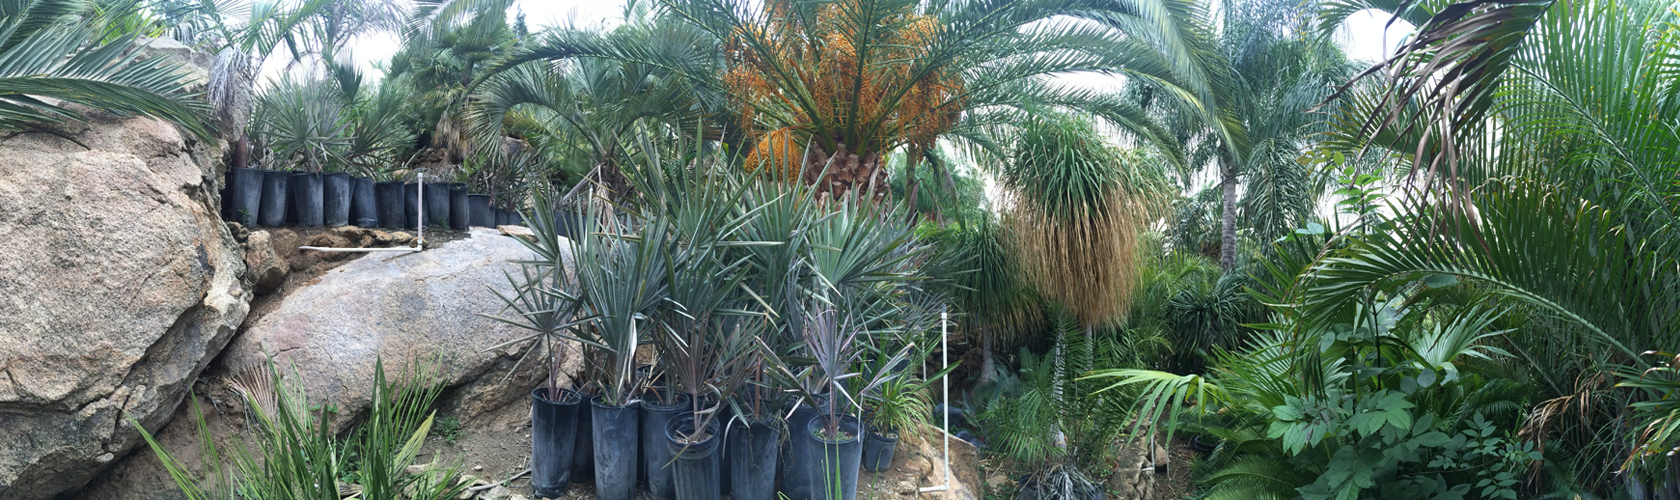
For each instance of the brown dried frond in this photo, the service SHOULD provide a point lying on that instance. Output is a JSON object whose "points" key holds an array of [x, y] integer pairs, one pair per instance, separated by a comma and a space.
{"points": [[1087, 262]]}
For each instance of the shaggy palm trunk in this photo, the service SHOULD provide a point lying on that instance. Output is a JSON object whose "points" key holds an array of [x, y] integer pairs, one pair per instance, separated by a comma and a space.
{"points": [[1228, 219], [844, 171]]}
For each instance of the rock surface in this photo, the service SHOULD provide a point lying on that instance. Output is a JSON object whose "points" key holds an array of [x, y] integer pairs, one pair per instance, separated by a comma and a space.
{"points": [[118, 285], [399, 308], [402, 308], [919, 462], [1136, 471]]}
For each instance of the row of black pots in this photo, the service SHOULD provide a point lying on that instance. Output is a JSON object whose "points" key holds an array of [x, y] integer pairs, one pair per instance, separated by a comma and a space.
{"points": [[653, 436], [277, 198]]}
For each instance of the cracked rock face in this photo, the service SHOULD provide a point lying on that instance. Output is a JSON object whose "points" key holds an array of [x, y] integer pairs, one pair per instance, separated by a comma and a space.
{"points": [[118, 285]]}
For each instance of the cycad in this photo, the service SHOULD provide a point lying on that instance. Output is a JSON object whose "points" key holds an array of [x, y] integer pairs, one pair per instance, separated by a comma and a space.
{"points": [[50, 57]]}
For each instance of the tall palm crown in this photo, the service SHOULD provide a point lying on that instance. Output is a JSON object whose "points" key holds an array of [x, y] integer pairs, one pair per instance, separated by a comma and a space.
{"points": [[1274, 71], [806, 77], [834, 76]]}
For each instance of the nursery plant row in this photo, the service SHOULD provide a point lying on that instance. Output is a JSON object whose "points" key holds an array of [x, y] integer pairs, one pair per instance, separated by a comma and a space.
{"points": [[276, 198]]}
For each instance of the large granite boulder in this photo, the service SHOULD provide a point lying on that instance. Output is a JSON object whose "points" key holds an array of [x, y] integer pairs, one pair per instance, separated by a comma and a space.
{"points": [[401, 308], [118, 285], [398, 308]]}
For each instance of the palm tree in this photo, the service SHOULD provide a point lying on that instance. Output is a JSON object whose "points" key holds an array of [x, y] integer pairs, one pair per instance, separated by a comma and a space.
{"points": [[824, 90], [584, 109], [985, 283], [1274, 71], [53, 52], [1077, 208], [440, 63]]}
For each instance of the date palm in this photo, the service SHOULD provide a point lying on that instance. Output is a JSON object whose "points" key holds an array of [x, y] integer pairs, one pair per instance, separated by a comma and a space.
{"points": [[1274, 72], [53, 57], [825, 90]]}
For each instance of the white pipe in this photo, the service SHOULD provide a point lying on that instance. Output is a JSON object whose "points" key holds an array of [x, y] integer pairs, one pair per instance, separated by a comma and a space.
{"points": [[387, 249], [945, 389], [420, 206]]}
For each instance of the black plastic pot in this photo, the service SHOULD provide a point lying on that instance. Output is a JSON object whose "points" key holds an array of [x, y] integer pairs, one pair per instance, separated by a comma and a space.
{"points": [[478, 209], [583, 455], [245, 195], [751, 451], [616, 449], [878, 448], [834, 462], [553, 439], [696, 472], [1204, 444], [459, 215], [308, 198], [566, 223], [794, 467], [501, 216], [515, 218], [222, 194], [335, 199], [724, 414], [389, 197], [656, 458], [274, 197], [364, 205], [411, 205], [291, 206], [437, 205]]}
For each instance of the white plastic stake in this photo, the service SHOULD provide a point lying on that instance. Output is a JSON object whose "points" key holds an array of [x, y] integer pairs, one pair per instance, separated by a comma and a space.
{"points": [[420, 206]]}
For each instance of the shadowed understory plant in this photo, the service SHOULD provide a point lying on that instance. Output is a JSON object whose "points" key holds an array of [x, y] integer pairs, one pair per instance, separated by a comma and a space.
{"points": [[297, 456]]}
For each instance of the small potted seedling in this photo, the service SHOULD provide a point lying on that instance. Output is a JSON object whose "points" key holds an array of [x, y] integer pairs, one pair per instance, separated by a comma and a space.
{"points": [[836, 433], [545, 301]]}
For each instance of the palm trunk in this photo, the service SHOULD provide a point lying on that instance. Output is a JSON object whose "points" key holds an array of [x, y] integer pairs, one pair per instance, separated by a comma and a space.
{"points": [[1228, 219], [1090, 352], [910, 189], [988, 364], [1059, 364]]}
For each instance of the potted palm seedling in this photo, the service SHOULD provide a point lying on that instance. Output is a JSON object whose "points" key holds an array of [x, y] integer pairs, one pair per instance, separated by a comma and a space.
{"points": [[836, 433], [899, 404], [752, 436], [544, 300], [621, 281]]}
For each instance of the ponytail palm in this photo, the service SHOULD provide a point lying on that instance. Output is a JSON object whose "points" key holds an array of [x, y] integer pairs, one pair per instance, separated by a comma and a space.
{"points": [[49, 52], [1078, 208]]}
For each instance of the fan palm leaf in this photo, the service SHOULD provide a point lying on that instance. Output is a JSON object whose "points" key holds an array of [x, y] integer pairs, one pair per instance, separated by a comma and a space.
{"points": [[50, 59]]}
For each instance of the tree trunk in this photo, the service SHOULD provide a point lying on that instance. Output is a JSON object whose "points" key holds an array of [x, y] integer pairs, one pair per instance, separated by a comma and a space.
{"points": [[988, 363], [910, 189], [845, 171], [1228, 219], [1090, 352], [1059, 364], [242, 152]]}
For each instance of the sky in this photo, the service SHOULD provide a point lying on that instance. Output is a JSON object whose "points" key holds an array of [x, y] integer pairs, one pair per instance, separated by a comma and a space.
{"points": [[1363, 36]]}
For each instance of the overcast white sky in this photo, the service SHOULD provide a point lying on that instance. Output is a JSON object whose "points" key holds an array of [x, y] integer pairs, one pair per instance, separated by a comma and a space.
{"points": [[1363, 37]]}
